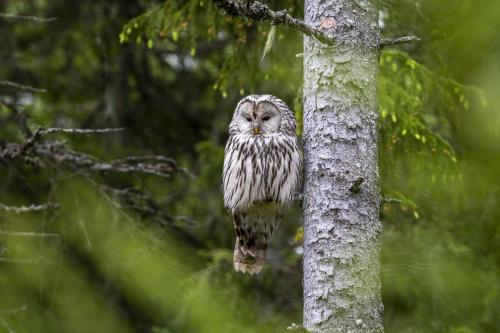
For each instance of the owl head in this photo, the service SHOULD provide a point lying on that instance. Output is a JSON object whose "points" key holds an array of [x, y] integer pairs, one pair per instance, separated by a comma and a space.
{"points": [[261, 115]]}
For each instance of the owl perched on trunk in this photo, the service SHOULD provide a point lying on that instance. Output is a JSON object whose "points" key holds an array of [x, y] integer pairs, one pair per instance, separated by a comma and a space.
{"points": [[261, 174]]}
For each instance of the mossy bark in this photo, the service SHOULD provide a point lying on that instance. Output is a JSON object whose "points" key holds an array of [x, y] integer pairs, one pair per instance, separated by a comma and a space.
{"points": [[341, 193]]}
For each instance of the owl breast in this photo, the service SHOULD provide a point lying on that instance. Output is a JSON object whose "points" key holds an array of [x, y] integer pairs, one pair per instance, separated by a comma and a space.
{"points": [[260, 169]]}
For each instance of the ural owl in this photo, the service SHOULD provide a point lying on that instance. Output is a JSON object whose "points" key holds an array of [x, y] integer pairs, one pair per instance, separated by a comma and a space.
{"points": [[261, 174]]}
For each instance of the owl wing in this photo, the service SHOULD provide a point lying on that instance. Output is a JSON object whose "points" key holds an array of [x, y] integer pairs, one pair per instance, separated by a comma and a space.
{"points": [[241, 167], [260, 170], [284, 176]]}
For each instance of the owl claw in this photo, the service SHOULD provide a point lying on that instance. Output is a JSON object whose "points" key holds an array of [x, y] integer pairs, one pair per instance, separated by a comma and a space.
{"points": [[246, 263], [251, 268]]}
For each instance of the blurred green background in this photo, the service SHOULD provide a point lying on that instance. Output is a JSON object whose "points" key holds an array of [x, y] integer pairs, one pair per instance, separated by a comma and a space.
{"points": [[141, 253]]}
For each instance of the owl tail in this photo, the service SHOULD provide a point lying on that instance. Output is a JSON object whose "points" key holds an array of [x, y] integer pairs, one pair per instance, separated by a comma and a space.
{"points": [[249, 261]]}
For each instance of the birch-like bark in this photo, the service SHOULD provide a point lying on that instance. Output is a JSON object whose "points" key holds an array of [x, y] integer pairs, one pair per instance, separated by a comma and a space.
{"points": [[341, 194]]}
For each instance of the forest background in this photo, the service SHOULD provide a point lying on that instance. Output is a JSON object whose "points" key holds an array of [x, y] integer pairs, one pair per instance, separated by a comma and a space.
{"points": [[125, 230]]}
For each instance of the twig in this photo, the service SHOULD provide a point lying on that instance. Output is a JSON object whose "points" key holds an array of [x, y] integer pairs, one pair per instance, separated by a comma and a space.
{"points": [[28, 18], [14, 310], [17, 150], [81, 160], [29, 234], [261, 12], [391, 200], [158, 158], [27, 261], [21, 86], [51, 130], [30, 208], [398, 40]]}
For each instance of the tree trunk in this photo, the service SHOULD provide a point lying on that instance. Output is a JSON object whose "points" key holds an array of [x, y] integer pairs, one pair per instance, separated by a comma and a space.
{"points": [[341, 194]]}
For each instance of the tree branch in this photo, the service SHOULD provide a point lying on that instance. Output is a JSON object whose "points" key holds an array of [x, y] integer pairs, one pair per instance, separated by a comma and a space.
{"points": [[398, 40], [56, 154], [14, 151], [261, 12], [51, 130], [27, 18], [55, 151], [78, 160], [30, 234], [21, 86], [30, 208]]}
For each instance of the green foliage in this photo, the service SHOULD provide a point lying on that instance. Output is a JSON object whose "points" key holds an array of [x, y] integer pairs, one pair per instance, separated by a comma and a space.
{"points": [[98, 265], [196, 24], [417, 107]]}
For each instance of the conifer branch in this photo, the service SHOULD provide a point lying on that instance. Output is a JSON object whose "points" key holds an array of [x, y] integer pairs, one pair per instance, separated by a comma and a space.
{"points": [[261, 12]]}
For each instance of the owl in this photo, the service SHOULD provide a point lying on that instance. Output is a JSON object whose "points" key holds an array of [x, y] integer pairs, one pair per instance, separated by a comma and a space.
{"points": [[260, 176]]}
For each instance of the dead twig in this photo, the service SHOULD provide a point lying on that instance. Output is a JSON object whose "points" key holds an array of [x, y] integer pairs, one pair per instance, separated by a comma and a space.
{"points": [[398, 40], [30, 208], [27, 18], [15, 150], [22, 87], [78, 160], [391, 200], [29, 234]]}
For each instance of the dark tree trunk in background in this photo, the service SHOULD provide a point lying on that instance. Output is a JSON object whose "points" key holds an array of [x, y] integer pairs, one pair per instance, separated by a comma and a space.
{"points": [[341, 193]]}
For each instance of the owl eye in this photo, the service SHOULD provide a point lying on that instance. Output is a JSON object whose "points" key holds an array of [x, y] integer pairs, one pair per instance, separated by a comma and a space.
{"points": [[249, 119], [266, 118]]}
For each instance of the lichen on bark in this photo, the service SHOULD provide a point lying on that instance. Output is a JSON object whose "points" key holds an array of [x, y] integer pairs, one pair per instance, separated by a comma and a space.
{"points": [[341, 225]]}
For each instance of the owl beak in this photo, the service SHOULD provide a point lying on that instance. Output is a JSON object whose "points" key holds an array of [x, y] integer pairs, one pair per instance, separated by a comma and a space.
{"points": [[256, 130]]}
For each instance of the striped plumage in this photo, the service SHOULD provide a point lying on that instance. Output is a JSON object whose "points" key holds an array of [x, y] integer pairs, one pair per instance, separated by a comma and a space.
{"points": [[260, 176]]}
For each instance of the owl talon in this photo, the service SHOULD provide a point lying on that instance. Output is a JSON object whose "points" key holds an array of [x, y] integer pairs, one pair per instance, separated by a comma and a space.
{"points": [[251, 268]]}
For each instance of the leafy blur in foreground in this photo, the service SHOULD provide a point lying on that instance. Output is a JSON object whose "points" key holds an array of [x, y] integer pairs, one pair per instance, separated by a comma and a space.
{"points": [[158, 259]]}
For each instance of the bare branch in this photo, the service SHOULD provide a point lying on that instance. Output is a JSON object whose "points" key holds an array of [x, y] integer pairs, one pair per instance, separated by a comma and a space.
{"points": [[21, 86], [398, 40], [80, 131], [261, 12], [16, 150], [160, 170], [30, 208], [158, 158], [27, 18], [81, 160]]}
